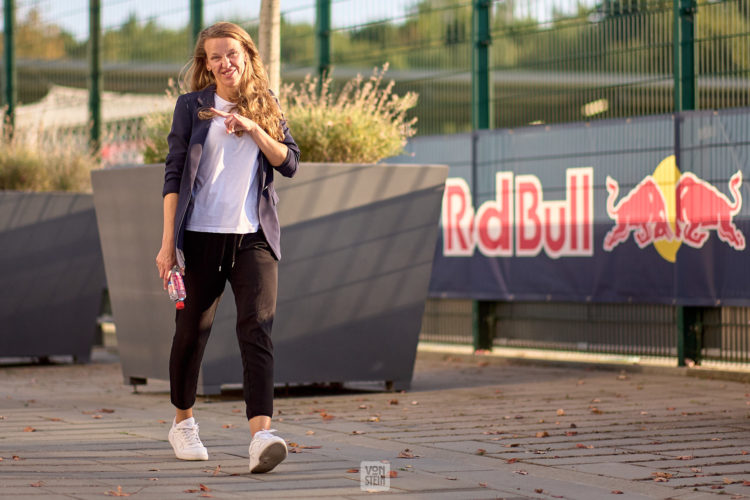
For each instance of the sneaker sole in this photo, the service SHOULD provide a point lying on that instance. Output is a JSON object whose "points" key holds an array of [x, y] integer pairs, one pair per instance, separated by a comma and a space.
{"points": [[272, 456]]}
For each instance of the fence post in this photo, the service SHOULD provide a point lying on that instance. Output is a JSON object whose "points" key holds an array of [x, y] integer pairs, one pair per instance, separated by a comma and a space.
{"points": [[684, 55], [482, 311], [480, 64], [9, 11], [196, 22], [95, 74], [323, 38], [684, 99]]}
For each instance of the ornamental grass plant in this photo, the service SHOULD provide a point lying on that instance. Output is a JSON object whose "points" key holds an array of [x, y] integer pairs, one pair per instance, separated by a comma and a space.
{"points": [[45, 160], [364, 122]]}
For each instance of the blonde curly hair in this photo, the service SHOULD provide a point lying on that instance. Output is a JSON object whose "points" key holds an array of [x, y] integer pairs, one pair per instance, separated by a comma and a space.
{"points": [[254, 100]]}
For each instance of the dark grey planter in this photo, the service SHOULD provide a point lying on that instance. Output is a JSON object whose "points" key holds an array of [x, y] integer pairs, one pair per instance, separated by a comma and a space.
{"points": [[51, 275], [357, 241]]}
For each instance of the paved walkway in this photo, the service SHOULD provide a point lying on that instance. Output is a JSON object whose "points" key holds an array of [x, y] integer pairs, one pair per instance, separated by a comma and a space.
{"points": [[469, 428]]}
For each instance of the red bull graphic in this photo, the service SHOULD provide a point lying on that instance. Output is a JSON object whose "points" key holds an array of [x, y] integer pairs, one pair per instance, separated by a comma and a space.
{"points": [[519, 221], [669, 208]]}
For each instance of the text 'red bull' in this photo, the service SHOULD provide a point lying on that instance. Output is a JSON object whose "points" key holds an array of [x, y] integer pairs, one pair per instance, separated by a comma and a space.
{"points": [[699, 208], [519, 220]]}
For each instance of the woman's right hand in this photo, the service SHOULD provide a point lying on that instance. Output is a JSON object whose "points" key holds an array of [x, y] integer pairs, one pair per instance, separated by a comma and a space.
{"points": [[166, 259]]}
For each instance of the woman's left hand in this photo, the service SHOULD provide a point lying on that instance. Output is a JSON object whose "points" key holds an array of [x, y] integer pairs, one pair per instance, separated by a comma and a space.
{"points": [[235, 122]]}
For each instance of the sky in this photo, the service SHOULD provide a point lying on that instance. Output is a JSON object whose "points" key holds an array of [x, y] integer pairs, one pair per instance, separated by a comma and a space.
{"points": [[72, 15]]}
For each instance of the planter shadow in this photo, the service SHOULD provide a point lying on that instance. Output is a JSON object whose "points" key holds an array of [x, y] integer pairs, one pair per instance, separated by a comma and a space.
{"points": [[357, 241], [51, 274]]}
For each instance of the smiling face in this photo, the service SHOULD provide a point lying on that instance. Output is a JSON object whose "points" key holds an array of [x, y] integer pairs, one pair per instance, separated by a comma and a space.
{"points": [[226, 60]]}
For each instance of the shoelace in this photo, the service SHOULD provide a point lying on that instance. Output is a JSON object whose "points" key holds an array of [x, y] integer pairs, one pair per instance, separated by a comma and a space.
{"points": [[260, 435], [189, 436]]}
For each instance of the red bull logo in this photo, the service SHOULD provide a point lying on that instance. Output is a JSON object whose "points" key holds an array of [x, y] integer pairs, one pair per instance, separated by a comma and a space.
{"points": [[519, 221], [668, 208]]}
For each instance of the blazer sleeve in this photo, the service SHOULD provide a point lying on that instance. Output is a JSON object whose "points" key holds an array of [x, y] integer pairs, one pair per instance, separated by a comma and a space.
{"points": [[177, 140], [289, 166]]}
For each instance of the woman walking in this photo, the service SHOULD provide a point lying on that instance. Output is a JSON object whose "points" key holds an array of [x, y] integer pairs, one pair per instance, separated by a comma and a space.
{"points": [[220, 224]]}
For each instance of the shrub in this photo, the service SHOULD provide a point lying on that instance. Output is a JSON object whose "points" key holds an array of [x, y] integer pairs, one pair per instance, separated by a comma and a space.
{"points": [[364, 123], [45, 161]]}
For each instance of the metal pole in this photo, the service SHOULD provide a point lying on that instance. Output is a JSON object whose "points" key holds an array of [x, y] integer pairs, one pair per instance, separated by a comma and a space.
{"points": [[684, 99], [196, 22], [480, 64], [9, 93], [95, 74], [684, 55], [480, 119], [323, 37]]}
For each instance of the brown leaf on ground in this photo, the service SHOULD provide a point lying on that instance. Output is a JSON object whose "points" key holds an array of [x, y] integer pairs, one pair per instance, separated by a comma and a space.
{"points": [[596, 411], [560, 412], [153, 470], [661, 479], [191, 491], [309, 447], [117, 493], [236, 410], [616, 492], [54, 419], [671, 408], [745, 483], [406, 453], [745, 452], [29, 429], [662, 474], [728, 481], [696, 469], [393, 473], [480, 451], [153, 479], [17, 458], [96, 416], [685, 457], [451, 478], [483, 485], [206, 495], [326, 416], [203, 487], [415, 402], [571, 433], [717, 487], [538, 490], [374, 419], [512, 445], [38, 484], [217, 470], [393, 402], [310, 433], [522, 472], [357, 432], [352, 471], [161, 421], [105, 410], [542, 434], [511, 461]]}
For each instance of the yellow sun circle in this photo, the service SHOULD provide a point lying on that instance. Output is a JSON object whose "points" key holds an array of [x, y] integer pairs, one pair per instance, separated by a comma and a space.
{"points": [[666, 176]]}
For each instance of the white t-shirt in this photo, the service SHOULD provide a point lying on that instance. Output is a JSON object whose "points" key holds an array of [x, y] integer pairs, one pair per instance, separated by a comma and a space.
{"points": [[225, 195]]}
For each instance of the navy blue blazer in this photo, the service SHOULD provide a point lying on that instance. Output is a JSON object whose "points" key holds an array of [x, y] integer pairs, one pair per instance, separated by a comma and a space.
{"points": [[186, 141]]}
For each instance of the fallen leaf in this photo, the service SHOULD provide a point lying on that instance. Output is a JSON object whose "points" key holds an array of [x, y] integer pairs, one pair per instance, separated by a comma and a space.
{"points": [[54, 419], [357, 432], [29, 429], [191, 491], [306, 447], [451, 478], [153, 470], [362, 407], [393, 473], [571, 433], [153, 479], [542, 434], [352, 470], [393, 402], [118, 493], [38, 484], [745, 452], [511, 461], [480, 451], [483, 485], [374, 419], [406, 453], [661, 479], [105, 410], [522, 472], [662, 474], [161, 421], [696, 469], [596, 410], [228, 426], [745, 483], [217, 470], [203, 487], [96, 416], [236, 410], [616, 492], [728, 481], [560, 412], [717, 487], [512, 445], [327, 416], [686, 457], [671, 408], [310, 433], [716, 439], [206, 495], [415, 402], [17, 458], [538, 490]]}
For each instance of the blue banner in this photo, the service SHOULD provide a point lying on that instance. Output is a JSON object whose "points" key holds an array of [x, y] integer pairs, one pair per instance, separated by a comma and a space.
{"points": [[646, 210]]}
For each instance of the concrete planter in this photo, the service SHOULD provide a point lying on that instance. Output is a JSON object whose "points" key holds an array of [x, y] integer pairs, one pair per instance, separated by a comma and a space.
{"points": [[51, 274], [357, 241]]}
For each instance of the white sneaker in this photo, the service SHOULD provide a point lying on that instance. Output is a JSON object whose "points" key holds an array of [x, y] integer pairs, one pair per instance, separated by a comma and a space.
{"points": [[185, 441], [266, 451]]}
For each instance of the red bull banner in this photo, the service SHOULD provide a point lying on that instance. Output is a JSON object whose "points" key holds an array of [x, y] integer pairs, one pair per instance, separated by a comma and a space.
{"points": [[645, 210]]}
